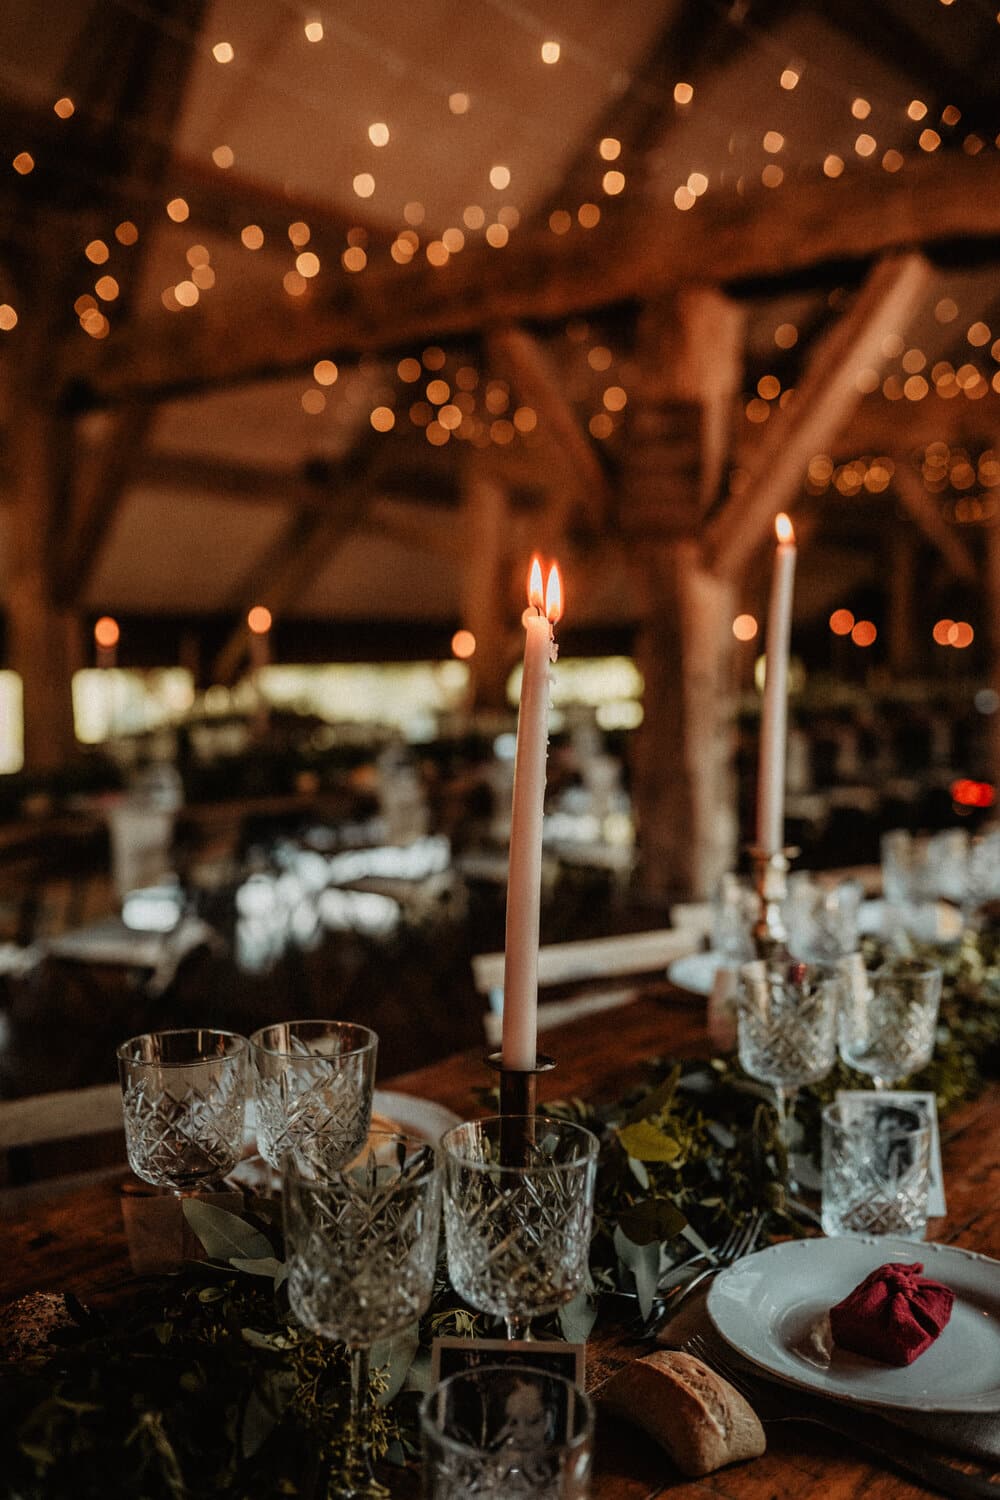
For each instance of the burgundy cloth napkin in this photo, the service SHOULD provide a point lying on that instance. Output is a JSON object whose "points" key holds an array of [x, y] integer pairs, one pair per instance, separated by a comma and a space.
{"points": [[893, 1315]]}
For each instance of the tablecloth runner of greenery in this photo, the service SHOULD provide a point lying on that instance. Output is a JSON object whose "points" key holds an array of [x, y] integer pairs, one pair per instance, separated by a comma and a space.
{"points": [[201, 1383]]}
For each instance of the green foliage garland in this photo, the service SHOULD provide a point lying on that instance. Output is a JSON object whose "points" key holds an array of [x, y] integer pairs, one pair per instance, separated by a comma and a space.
{"points": [[202, 1383]]}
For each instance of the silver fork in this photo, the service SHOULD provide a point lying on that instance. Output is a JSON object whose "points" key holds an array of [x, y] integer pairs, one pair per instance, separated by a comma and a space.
{"points": [[865, 1429], [741, 1240]]}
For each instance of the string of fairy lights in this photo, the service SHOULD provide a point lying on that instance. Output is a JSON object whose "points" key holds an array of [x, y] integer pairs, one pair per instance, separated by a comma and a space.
{"points": [[452, 399], [439, 250]]}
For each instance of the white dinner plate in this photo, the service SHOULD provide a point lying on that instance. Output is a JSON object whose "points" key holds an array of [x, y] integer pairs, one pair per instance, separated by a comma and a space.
{"points": [[695, 972], [421, 1118], [765, 1304]]}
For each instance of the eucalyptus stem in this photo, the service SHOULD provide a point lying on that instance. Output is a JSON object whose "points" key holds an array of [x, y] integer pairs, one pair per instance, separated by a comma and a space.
{"points": [[356, 1480]]}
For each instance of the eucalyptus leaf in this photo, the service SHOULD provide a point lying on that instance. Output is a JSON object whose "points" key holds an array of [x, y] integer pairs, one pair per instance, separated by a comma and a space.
{"points": [[652, 1221], [258, 1340], [646, 1141], [397, 1355], [656, 1101], [223, 1234], [264, 1409], [639, 1172], [418, 1376], [644, 1263], [577, 1318], [267, 1265], [721, 1134], [694, 1238]]}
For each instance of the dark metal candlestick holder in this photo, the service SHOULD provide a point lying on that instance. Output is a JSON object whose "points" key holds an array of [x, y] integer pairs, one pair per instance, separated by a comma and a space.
{"points": [[518, 1096], [770, 879]]}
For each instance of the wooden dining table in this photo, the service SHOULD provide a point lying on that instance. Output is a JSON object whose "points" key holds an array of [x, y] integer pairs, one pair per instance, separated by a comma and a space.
{"points": [[71, 1237]]}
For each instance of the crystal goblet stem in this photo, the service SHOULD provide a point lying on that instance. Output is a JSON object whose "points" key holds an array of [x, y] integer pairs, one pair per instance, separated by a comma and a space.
{"points": [[358, 1476], [787, 1031], [784, 1102]]}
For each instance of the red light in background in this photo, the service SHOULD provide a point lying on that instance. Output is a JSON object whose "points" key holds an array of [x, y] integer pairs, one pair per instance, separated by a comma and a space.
{"points": [[973, 793]]}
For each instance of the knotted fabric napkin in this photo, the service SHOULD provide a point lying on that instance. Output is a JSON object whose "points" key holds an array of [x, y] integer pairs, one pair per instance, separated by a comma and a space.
{"points": [[893, 1315]]}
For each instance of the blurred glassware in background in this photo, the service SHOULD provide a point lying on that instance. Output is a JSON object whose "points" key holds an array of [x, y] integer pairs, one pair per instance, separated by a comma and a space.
{"points": [[821, 919], [734, 912], [982, 893], [888, 1018], [936, 885], [876, 1168]]}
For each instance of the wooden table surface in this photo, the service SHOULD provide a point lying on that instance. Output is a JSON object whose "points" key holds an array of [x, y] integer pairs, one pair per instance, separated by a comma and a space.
{"points": [[72, 1238]]}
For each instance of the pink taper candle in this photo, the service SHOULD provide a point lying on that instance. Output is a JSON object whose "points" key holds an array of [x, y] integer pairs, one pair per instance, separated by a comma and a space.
{"points": [[524, 878], [774, 716]]}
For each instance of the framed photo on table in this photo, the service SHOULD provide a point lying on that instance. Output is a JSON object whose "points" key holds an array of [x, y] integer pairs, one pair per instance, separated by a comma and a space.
{"points": [[451, 1355]]}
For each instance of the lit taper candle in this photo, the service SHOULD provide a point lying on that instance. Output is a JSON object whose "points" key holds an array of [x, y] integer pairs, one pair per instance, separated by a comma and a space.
{"points": [[524, 878], [774, 716]]}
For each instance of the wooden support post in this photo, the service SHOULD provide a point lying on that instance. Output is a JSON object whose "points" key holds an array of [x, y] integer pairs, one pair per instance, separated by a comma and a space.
{"points": [[690, 353], [902, 598], [43, 641], [993, 616], [682, 772], [484, 593]]}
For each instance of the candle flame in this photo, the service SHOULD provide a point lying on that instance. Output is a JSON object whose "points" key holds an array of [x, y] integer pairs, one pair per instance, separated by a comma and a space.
{"points": [[536, 597], [550, 601], [783, 528], [554, 595]]}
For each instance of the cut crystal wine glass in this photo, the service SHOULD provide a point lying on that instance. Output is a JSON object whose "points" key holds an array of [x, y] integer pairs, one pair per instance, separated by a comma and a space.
{"points": [[517, 1225], [889, 1018], [787, 1027], [361, 1246]]}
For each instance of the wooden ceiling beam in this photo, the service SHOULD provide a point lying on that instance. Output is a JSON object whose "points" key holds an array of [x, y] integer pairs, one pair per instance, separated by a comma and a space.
{"points": [[100, 487], [580, 493], [291, 564], [639, 250], [824, 397], [696, 40], [924, 513], [74, 171], [881, 426], [132, 81], [883, 31]]}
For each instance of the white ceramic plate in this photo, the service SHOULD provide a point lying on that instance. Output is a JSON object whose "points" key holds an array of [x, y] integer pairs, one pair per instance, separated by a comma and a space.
{"points": [[695, 972], [421, 1118], [764, 1305]]}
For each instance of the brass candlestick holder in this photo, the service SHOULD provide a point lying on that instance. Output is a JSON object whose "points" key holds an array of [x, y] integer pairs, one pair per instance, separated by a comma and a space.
{"points": [[518, 1098], [770, 880]]}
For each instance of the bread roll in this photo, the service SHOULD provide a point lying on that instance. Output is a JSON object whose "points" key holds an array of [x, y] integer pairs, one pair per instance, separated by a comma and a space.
{"points": [[696, 1415]]}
